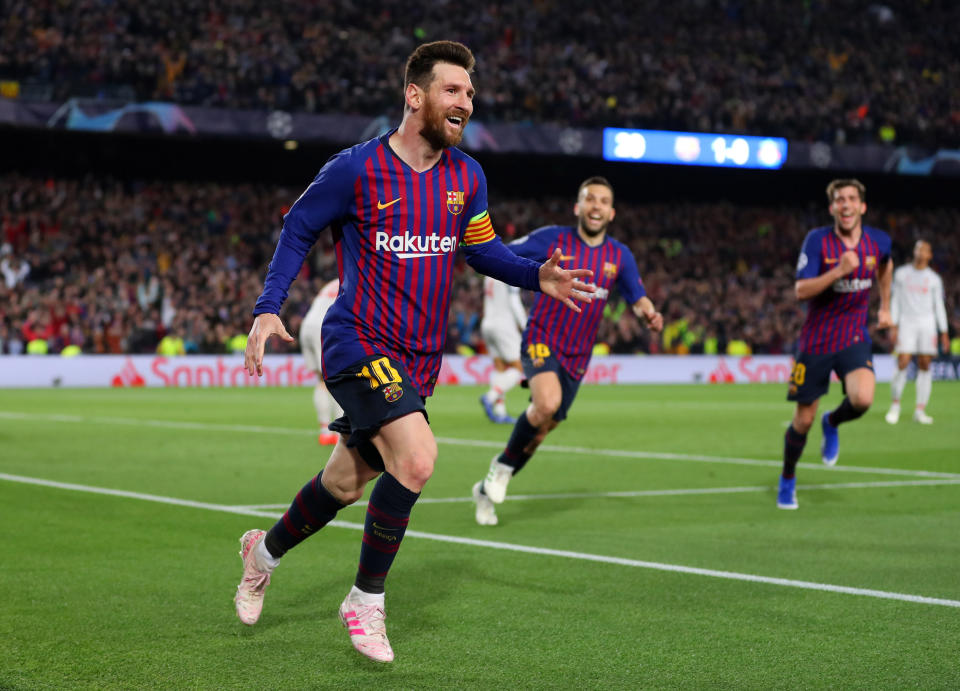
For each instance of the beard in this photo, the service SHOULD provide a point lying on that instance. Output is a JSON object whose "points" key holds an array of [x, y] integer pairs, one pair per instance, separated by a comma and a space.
{"points": [[590, 232], [435, 131]]}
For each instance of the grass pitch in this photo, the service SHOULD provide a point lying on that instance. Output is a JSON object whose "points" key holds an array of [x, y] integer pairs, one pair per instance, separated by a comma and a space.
{"points": [[658, 560]]}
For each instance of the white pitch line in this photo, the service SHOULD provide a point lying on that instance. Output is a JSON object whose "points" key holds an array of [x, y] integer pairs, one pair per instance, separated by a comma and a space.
{"points": [[563, 554], [662, 492], [477, 443]]}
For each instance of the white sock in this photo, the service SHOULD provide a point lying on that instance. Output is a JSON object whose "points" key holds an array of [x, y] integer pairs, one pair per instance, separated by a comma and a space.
{"points": [[264, 558], [897, 383], [924, 384], [366, 598], [510, 377], [321, 401], [327, 407]]}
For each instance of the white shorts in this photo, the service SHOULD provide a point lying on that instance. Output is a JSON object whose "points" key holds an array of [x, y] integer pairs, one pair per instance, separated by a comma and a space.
{"points": [[917, 339], [503, 340], [310, 343]]}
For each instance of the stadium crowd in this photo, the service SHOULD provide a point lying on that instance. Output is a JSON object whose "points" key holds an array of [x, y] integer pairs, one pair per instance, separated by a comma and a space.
{"points": [[112, 267], [832, 71]]}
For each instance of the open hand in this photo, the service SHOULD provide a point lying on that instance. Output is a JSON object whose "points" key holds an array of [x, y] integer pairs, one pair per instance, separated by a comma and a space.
{"points": [[263, 327], [565, 284]]}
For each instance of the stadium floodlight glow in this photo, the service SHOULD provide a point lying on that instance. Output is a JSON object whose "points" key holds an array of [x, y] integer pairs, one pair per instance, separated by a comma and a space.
{"points": [[693, 148]]}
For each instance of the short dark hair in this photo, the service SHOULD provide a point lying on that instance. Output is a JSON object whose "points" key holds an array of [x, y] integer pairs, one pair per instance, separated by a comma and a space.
{"points": [[846, 182], [420, 64], [594, 180]]}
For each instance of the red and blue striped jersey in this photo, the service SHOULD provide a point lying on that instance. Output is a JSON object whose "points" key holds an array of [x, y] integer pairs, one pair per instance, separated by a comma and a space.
{"points": [[837, 317], [571, 336], [396, 232]]}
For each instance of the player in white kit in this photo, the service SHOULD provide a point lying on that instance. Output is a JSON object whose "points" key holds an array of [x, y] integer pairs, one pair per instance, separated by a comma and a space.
{"points": [[501, 328], [327, 409], [918, 314]]}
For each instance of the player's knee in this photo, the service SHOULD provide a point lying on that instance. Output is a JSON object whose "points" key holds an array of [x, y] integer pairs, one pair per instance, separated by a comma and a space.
{"points": [[546, 406], [415, 466], [861, 400]]}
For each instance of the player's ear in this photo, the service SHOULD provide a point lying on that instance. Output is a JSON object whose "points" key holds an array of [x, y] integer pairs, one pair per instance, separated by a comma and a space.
{"points": [[613, 213], [863, 208], [576, 209], [413, 96]]}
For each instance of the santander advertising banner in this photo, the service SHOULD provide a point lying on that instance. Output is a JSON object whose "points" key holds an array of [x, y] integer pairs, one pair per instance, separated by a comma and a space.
{"points": [[289, 370]]}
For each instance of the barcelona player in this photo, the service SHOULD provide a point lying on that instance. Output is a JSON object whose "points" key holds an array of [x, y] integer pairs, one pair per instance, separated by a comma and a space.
{"points": [[399, 207], [837, 268], [557, 344]]}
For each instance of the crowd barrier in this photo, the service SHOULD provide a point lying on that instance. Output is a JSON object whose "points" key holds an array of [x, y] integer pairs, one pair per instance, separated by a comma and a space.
{"points": [[289, 370]]}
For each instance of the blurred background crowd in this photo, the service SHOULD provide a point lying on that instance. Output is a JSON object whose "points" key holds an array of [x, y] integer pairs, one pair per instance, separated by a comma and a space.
{"points": [[835, 71], [109, 266]]}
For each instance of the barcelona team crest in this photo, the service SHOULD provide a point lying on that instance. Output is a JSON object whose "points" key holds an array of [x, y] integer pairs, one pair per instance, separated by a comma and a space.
{"points": [[609, 270], [454, 201], [871, 261], [392, 392]]}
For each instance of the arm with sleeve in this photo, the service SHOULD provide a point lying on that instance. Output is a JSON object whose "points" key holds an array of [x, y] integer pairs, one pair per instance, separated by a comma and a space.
{"points": [[324, 201]]}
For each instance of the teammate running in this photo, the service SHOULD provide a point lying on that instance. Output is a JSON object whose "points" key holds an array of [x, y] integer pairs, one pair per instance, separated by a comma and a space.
{"points": [[836, 270], [557, 345]]}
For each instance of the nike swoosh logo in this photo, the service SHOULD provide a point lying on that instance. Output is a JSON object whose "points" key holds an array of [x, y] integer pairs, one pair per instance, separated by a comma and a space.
{"points": [[830, 261], [380, 527], [566, 257], [382, 206]]}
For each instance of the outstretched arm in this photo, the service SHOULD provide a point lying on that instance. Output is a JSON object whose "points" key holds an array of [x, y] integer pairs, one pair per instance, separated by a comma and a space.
{"points": [[492, 258], [565, 284]]}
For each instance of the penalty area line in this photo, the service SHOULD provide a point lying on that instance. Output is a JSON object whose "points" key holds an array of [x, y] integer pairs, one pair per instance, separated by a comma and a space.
{"points": [[506, 546]]}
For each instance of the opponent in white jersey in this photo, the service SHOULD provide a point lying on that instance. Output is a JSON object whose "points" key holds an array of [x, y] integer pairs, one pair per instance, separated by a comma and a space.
{"points": [[501, 328], [327, 409], [918, 314]]}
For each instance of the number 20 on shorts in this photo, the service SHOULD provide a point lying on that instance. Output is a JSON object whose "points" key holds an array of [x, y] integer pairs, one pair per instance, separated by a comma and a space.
{"points": [[799, 374]]}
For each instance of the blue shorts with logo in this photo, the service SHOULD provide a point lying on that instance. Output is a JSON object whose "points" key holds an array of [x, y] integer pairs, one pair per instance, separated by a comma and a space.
{"points": [[372, 392], [810, 378], [569, 385]]}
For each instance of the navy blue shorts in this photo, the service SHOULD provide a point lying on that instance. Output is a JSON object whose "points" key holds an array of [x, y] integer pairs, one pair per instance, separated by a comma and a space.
{"points": [[546, 361], [372, 392], [810, 378]]}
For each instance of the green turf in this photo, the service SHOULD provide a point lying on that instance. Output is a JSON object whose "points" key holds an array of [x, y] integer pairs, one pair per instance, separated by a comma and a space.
{"points": [[114, 592]]}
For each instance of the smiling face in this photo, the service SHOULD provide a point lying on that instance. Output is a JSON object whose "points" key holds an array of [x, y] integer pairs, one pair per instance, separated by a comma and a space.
{"points": [[446, 105], [847, 209], [594, 209]]}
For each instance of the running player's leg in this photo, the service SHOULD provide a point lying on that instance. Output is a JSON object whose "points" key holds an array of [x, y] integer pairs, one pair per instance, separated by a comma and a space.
{"points": [[906, 337], [339, 484], [854, 366], [897, 384], [409, 453], [924, 386], [809, 380]]}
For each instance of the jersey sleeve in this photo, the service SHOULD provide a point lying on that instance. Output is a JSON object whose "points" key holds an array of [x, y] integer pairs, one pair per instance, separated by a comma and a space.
{"points": [[536, 245], [325, 200], [808, 264], [629, 282], [492, 258]]}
